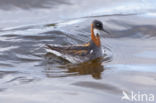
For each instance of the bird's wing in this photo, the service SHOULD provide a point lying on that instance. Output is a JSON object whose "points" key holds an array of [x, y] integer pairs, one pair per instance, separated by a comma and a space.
{"points": [[80, 50]]}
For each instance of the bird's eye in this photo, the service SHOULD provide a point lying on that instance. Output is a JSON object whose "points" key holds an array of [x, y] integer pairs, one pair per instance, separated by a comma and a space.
{"points": [[98, 25]]}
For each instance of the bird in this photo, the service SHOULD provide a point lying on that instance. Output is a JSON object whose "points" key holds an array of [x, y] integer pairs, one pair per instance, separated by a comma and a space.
{"points": [[83, 52]]}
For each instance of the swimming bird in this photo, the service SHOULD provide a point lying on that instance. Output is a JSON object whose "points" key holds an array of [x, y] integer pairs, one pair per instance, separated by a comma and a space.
{"points": [[85, 52]]}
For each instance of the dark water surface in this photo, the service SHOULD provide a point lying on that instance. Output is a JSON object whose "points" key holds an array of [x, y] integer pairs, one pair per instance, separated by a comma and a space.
{"points": [[29, 75]]}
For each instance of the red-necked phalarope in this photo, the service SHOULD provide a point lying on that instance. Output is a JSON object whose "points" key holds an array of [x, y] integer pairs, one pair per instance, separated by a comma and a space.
{"points": [[85, 52]]}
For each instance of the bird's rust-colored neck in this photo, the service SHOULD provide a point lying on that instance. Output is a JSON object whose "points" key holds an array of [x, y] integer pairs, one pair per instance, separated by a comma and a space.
{"points": [[95, 39]]}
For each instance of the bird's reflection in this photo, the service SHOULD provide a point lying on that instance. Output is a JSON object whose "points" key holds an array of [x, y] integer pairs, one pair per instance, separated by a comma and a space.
{"points": [[93, 68]]}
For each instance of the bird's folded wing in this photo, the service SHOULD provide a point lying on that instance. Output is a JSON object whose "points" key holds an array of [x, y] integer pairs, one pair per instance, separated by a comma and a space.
{"points": [[80, 50]]}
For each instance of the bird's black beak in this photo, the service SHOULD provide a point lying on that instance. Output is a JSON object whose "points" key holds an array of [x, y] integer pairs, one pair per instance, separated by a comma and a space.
{"points": [[105, 31]]}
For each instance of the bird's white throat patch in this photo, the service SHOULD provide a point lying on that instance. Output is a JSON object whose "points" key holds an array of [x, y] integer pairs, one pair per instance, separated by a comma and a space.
{"points": [[96, 31]]}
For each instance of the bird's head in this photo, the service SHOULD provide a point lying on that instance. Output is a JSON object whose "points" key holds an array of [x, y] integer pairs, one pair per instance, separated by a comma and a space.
{"points": [[97, 27], [97, 30]]}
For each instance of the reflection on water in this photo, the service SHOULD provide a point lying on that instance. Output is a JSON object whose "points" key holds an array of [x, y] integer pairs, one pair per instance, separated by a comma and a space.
{"points": [[93, 68]]}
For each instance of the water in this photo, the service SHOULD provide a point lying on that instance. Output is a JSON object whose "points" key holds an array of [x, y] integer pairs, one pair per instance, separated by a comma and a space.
{"points": [[29, 75]]}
